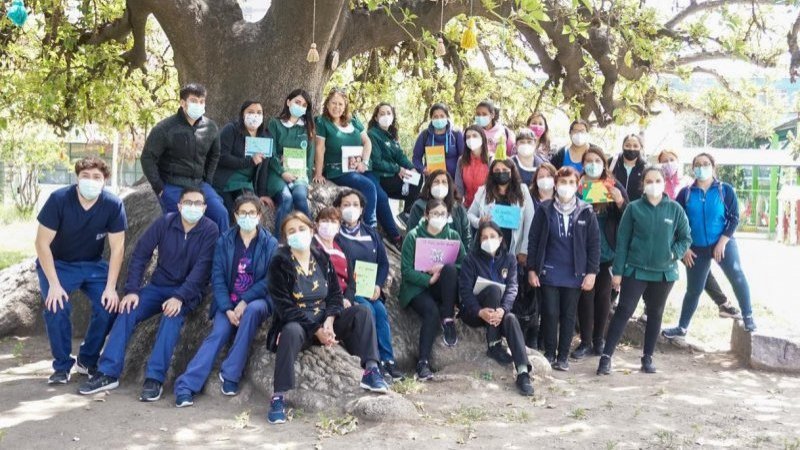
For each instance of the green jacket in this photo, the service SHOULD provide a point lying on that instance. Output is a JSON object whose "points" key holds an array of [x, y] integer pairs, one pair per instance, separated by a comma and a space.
{"points": [[651, 240], [387, 157], [293, 137], [335, 139], [460, 221], [415, 282]]}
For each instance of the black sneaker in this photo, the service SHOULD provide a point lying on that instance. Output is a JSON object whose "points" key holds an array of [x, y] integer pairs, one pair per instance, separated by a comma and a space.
{"points": [[59, 377], [726, 310], [499, 353], [151, 391], [85, 370], [597, 347], [583, 350], [672, 333], [524, 384], [98, 383], [391, 372], [647, 364], [424, 371], [604, 368], [184, 400], [449, 334], [749, 324], [561, 365]]}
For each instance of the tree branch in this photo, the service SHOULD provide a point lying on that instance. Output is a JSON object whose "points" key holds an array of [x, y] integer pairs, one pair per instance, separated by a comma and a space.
{"points": [[116, 30], [794, 50], [696, 7], [708, 55]]}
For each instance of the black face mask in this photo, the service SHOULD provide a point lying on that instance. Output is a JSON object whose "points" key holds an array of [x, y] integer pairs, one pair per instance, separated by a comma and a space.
{"points": [[630, 155], [501, 177]]}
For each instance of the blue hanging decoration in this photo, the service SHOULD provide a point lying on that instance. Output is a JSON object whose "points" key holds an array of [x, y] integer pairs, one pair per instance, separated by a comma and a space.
{"points": [[16, 13]]}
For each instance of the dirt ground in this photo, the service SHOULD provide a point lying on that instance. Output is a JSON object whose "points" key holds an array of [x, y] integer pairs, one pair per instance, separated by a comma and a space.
{"points": [[695, 400]]}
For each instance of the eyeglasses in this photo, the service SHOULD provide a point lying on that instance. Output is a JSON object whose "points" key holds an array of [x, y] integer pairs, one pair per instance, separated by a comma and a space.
{"points": [[197, 203], [250, 214], [437, 215]]}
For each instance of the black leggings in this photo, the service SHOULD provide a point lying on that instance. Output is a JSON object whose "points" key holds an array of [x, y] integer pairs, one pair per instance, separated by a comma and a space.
{"points": [[558, 319], [655, 295], [594, 306], [434, 304], [393, 186]]}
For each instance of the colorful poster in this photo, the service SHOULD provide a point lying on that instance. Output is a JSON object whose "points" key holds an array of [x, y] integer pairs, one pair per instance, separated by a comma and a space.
{"points": [[294, 162], [365, 274], [434, 158], [255, 145], [595, 192], [507, 216], [351, 157], [430, 252]]}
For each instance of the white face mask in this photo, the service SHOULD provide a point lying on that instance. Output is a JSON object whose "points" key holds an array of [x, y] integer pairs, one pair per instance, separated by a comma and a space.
{"points": [[350, 214], [490, 245], [437, 223], [567, 191], [545, 183], [385, 121], [475, 144], [253, 121], [526, 150], [670, 168], [439, 191], [654, 190], [328, 230], [580, 138]]}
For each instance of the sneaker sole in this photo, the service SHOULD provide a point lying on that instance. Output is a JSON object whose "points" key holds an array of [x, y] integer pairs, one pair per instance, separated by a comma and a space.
{"points": [[184, 404], [58, 381], [154, 399], [276, 422], [376, 390], [108, 387], [419, 378], [224, 392]]}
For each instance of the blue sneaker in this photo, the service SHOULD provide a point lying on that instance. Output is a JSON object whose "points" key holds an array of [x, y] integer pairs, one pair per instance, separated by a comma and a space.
{"points": [[672, 333], [277, 410], [184, 400], [373, 381], [749, 324], [229, 388]]}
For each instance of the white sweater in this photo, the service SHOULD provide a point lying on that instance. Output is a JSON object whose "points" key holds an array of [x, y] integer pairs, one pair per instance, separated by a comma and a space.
{"points": [[519, 237]]}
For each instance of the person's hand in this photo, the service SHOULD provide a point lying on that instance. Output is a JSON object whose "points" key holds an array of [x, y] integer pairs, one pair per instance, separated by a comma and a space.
{"points": [[426, 171], [319, 179], [434, 276], [484, 219], [522, 258], [436, 268], [239, 309], [533, 279], [110, 299], [232, 318], [499, 313], [129, 303], [487, 314], [171, 307], [588, 281], [328, 333], [377, 294], [616, 282], [616, 195], [361, 167], [719, 249], [688, 258], [267, 202], [346, 303], [288, 177], [322, 336], [403, 173], [258, 158], [56, 298]]}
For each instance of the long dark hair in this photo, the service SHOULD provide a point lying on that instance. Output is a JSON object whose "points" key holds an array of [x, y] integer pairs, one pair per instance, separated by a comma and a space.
{"points": [[606, 175], [513, 191], [544, 140], [495, 227], [467, 156], [308, 117], [245, 105], [534, 187], [452, 195], [393, 128]]}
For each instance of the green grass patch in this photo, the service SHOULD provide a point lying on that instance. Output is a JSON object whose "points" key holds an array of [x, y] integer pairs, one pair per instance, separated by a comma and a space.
{"points": [[9, 258]]}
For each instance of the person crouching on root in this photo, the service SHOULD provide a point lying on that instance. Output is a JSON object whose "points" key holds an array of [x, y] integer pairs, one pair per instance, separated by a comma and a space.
{"points": [[308, 307], [491, 307]]}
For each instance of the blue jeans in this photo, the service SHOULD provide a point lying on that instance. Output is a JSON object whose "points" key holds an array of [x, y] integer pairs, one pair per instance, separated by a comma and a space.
{"points": [[382, 330], [151, 298], [196, 374], [215, 207], [383, 209], [91, 278], [696, 280], [296, 198]]}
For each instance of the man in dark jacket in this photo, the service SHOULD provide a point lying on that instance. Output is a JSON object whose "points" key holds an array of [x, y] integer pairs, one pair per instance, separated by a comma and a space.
{"points": [[183, 151], [185, 244]]}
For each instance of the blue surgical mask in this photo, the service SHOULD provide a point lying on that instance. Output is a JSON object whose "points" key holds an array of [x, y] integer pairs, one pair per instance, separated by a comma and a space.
{"points": [[482, 121], [296, 110], [90, 189], [195, 110], [703, 173], [439, 124], [300, 240], [191, 214], [594, 170], [247, 223]]}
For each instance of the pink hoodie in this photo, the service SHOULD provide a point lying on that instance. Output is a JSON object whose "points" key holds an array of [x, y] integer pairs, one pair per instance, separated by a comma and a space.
{"points": [[494, 134]]}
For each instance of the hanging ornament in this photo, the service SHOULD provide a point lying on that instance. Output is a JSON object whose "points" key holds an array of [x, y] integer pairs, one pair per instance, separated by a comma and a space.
{"points": [[313, 54], [440, 48], [333, 59], [469, 40], [16, 13]]}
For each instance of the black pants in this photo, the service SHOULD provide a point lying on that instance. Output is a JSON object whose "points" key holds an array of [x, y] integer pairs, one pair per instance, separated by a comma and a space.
{"points": [[528, 309], [434, 304], [655, 295], [354, 328], [558, 319], [594, 306], [508, 328], [393, 186], [714, 291]]}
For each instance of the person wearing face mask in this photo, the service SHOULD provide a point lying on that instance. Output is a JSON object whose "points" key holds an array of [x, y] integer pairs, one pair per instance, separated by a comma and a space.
{"points": [[241, 302], [238, 173], [293, 128], [473, 166], [572, 155], [439, 132], [73, 226], [670, 165], [503, 187], [627, 167], [563, 259], [487, 116], [432, 294], [390, 165], [491, 307], [595, 304], [440, 186], [185, 244], [309, 311], [182, 151], [328, 224], [538, 124], [713, 211], [526, 159], [653, 234]]}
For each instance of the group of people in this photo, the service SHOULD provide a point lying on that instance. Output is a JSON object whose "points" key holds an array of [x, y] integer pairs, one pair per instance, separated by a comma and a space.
{"points": [[502, 234]]}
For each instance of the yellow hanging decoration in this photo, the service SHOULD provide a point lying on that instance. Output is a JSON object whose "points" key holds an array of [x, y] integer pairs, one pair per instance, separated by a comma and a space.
{"points": [[469, 40], [313, 54], [500, 152]]}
